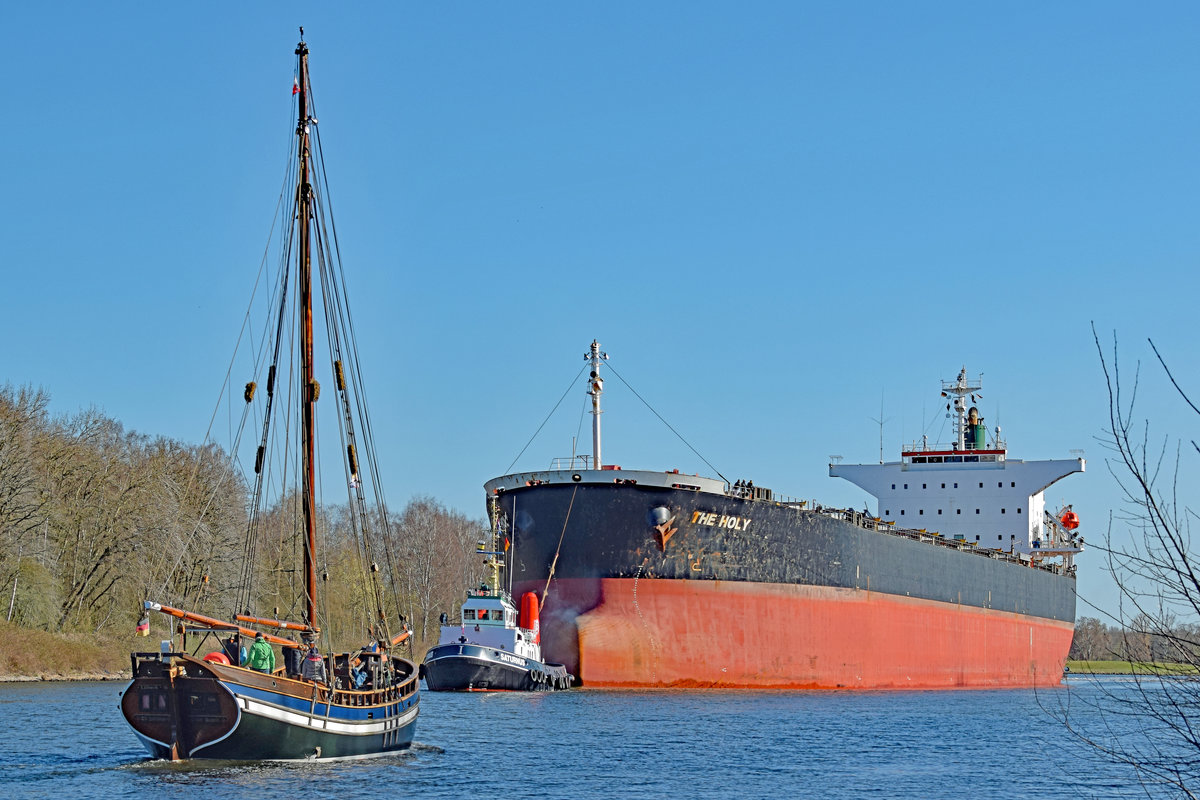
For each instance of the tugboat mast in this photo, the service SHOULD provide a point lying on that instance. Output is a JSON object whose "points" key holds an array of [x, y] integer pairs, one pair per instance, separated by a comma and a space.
{"points": [[597, 388]]}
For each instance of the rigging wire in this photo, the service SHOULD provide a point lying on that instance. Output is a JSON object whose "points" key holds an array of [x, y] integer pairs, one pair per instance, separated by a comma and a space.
{"points": [[224, 393], [664, 422], [558, 548], [583, 407], [340, 327], [548, 416]]}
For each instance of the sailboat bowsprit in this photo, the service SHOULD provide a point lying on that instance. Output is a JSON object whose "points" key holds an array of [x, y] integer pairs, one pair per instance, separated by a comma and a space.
{"points": [[227, 703]]}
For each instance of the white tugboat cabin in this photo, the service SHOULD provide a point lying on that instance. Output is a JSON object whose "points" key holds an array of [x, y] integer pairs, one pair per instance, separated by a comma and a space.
{"points": [[489, 618]]}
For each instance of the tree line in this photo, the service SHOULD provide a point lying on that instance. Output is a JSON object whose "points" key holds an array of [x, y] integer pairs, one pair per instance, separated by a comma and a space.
{"points": [[95, 519], [1142, 639]]}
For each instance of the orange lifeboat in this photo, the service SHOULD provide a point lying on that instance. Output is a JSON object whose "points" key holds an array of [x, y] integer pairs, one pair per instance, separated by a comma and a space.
{"points": [[1069, 519]]}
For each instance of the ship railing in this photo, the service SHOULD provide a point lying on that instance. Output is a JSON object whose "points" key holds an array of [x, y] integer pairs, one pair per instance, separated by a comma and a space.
{"points": [[863, 519], [951, 447], [564, 463]]}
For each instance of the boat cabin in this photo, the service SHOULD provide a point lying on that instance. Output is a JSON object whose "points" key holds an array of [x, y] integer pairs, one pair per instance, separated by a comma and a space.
{"points": [[489, 618]]}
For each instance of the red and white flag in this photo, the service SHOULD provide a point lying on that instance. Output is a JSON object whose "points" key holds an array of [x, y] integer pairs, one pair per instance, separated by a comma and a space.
{"points": [[295, 85]]}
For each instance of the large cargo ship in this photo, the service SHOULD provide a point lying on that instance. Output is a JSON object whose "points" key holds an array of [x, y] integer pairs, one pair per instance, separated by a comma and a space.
{"points": [[961, 578]]}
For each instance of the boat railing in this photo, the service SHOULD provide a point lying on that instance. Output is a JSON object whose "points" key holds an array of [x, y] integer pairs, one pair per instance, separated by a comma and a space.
{"points": [[864, 520], [564, 463], [952, 447]]}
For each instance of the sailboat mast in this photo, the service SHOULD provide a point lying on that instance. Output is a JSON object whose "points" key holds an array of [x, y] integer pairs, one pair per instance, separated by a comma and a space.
{"points": [[310, 388]]}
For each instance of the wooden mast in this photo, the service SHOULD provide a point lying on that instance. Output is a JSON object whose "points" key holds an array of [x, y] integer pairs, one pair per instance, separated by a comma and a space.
{"points": [[310, 388]]}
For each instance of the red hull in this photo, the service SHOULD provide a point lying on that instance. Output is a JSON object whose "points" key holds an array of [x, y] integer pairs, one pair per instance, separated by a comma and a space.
{"points": [[685, 633]]}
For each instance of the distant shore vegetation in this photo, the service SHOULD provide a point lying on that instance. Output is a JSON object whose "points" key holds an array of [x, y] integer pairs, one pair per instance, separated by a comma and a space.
{"points": [[96, 519]]}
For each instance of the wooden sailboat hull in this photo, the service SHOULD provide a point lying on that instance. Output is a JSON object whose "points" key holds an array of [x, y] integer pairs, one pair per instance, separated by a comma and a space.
{"points": [[183, 708]]}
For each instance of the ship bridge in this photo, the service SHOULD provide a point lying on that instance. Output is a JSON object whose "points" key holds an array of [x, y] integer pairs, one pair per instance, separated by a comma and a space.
{"points": [[969, 488]]}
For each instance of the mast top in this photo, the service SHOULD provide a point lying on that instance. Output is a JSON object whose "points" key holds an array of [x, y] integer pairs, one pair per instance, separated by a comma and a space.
{"points": [[595, 389]]}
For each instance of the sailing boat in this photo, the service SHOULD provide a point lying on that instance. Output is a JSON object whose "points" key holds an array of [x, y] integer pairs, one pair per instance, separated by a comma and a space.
{"points": [[353, 704]]}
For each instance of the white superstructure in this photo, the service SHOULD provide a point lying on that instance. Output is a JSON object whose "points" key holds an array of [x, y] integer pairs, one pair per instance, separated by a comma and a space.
{"points": [[489, 619], [970, 489]]}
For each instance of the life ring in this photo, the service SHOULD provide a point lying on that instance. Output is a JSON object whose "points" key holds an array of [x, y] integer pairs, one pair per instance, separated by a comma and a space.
{"points": [[217, 658]]}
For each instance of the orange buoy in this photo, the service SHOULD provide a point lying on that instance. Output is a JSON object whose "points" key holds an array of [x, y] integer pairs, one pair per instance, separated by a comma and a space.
{"points": [[529, 615], [217, 658], [1069, 520]]}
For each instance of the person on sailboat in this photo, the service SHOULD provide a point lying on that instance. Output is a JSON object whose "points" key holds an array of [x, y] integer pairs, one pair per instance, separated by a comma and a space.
{"points": [[234, 650], [314, 666], [261, 656]]}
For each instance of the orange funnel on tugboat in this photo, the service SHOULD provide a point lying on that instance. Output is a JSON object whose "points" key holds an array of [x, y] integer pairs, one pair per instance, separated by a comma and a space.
{"points": [[529, 615]]}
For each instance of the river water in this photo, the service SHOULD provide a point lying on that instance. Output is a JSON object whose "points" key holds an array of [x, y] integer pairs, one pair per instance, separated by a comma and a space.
{"points": [[68, 740]]}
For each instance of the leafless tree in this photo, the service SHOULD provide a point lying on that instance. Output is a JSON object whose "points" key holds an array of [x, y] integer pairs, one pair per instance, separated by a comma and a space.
{"points": [[22, 504], [436, 563], [1150, 721], [1091, 642]]}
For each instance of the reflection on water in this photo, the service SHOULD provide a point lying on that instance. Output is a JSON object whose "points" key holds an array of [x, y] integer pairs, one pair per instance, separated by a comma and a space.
{"points": [[69, 740]]}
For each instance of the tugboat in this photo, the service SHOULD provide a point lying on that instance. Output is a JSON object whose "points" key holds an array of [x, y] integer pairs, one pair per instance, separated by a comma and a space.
{"points": [[491, 649]]}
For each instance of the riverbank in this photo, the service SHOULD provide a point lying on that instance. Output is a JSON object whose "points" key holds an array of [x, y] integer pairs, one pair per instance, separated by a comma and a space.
{"points": [[32, 655], [1130, 668]]}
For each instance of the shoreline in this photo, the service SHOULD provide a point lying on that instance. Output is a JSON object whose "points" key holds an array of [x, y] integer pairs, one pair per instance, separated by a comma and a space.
{"points": [[53, 677]]}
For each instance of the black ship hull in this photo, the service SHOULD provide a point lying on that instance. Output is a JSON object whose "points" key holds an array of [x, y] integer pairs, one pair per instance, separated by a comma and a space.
{"points": [[649, 582]]}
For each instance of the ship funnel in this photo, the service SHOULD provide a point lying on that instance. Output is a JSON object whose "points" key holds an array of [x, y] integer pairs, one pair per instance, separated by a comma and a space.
{"points": [[529, 615]]}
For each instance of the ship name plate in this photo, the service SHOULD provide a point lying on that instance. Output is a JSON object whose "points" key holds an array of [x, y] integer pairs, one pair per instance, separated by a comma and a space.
{"points": [[713, 519]]}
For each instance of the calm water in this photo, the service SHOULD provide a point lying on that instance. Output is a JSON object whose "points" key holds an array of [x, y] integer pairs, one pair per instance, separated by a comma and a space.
{"points": [[68, 740]]}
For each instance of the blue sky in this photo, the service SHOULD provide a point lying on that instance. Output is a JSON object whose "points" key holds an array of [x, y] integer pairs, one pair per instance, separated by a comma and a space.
{"points": [[775, 217]]}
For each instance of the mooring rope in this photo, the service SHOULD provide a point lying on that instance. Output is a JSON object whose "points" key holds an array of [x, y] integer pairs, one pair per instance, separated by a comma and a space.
{"points": [[558, 549]]}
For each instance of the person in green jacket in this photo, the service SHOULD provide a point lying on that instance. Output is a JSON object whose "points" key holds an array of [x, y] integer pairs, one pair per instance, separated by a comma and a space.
{"points": [[261, 657]]}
